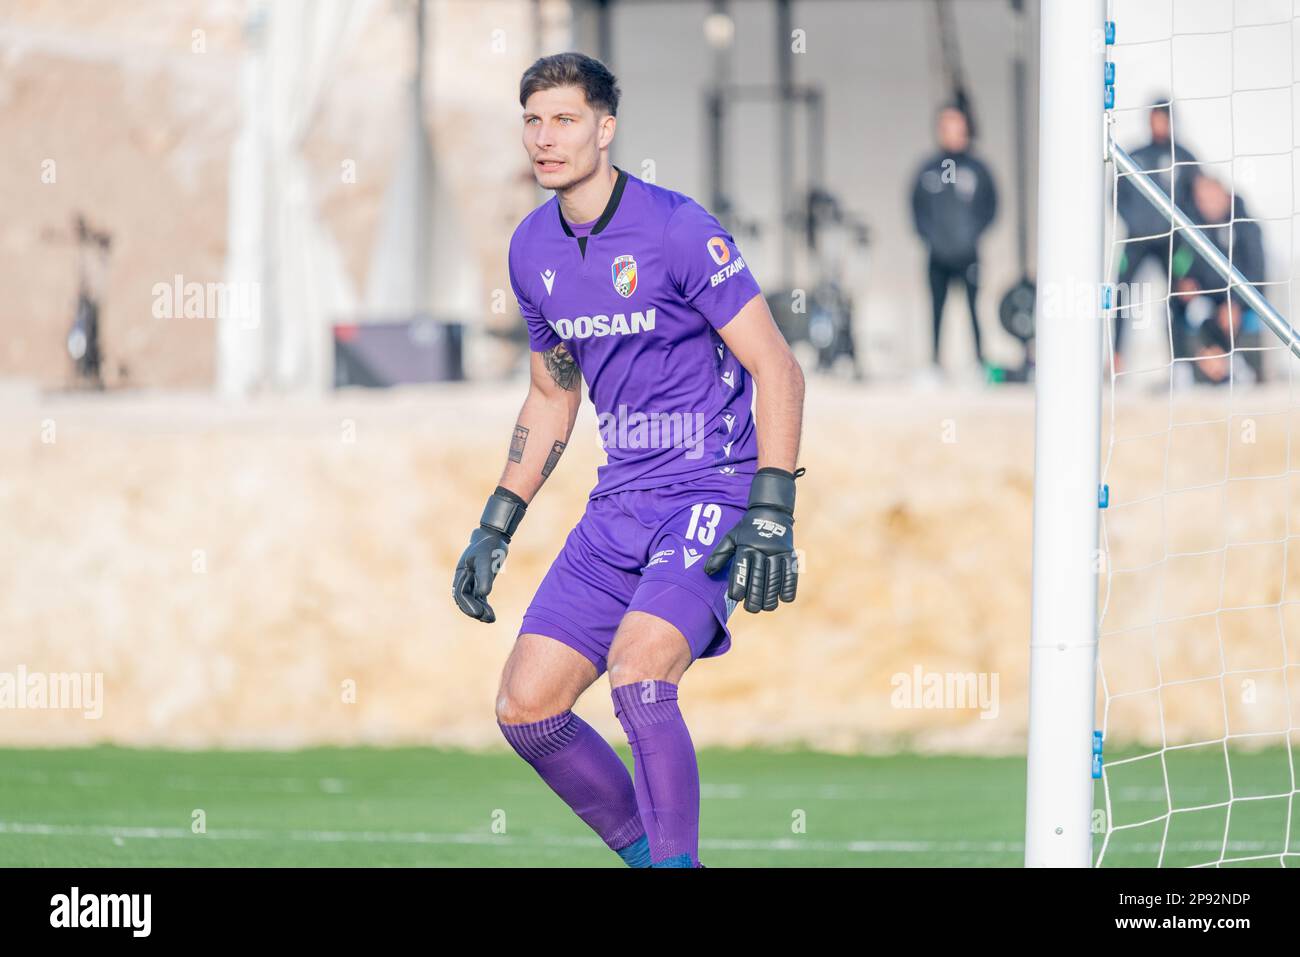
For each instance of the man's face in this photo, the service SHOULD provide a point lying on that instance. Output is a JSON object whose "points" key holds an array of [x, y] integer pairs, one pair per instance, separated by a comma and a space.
{"points": [[564, 136], [1159, 126], [953, 134], [1212, 200]]}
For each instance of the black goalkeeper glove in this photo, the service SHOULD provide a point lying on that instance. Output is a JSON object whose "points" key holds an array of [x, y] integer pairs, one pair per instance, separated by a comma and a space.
{"points": [[765, 569], [482, 560]]}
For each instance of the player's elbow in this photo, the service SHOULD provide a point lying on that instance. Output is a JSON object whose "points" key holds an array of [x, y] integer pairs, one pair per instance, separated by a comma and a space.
{"points": [[796, 376], [780, 370]]}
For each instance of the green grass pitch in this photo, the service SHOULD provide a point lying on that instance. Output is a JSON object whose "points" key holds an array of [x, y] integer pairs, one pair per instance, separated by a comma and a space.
{"points": [[110, 806]]}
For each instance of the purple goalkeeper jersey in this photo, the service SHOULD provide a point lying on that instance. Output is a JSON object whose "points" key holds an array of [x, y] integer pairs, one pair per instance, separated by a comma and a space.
{"points": [[638, 303]]}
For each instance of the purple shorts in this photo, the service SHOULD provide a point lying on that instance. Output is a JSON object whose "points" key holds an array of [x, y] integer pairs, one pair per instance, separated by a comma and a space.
{"points": [[643, 550]]}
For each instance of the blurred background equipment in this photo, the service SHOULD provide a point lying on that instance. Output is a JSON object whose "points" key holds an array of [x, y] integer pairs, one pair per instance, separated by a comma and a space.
{"points": [[821, 316], [823, 245], [1016, 308], [83, 341], [377, 354]]}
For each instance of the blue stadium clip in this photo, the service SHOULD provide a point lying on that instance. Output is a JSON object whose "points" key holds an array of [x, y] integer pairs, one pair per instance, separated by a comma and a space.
{"points": [[1103, 500], [1110, 98], [1096, 754], [1110, 71], [1106, 295], [1096, 742], [1110, 33]]}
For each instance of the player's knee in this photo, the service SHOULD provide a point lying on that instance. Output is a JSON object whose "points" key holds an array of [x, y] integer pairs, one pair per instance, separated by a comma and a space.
{"points": [[541, 678], [635, 665], [513, 709], [647, 649], [517, 704]]}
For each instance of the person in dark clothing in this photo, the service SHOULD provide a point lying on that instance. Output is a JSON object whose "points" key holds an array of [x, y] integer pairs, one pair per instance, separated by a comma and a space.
{"points": [[1148, 229], [953, 201], [1226, 221], [1232, 325]]}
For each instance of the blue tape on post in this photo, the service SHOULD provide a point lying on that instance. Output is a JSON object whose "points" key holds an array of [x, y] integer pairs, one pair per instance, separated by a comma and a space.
{"points": [[1110, 72], [1110, 33], [1096, 754], [1110, 98], [1103, 496]]}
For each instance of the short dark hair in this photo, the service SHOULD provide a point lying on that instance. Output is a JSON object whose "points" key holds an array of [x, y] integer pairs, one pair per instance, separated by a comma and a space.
{"points": [[573, 69]]}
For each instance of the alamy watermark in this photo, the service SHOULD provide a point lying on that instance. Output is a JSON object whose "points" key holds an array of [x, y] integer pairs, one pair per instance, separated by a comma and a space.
{"points": [[1135, 301], [128, 911], [53, 691], [946, 690], [653, 430], [240, 302]]}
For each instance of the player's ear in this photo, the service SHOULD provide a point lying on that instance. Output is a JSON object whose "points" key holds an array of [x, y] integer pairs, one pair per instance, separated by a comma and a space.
{"points": [[607, 125]]}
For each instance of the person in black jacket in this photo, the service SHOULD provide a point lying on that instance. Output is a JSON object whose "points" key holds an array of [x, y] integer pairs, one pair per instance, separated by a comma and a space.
{"points": [[1148, 229], [1232, 331], [1225, 220], [953, 201]]}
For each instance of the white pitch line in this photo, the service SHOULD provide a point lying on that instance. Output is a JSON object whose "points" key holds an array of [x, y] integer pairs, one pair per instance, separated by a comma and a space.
{"points": [[297, 785], [486, 840], [502, 840]]}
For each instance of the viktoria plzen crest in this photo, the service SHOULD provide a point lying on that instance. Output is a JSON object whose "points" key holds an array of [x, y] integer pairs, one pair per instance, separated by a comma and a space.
{"points": [[624, 271]]}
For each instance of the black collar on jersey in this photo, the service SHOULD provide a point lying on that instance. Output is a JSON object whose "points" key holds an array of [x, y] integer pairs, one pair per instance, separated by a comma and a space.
{"points": [[610, 208]]}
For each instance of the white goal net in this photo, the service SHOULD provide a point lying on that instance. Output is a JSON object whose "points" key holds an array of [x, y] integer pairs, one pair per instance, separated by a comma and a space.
{"points": [[1198, 680]]}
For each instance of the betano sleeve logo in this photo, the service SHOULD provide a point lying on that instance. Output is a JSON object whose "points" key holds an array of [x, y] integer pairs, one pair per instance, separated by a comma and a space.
{"points": [[721, 253], [718, 250]]}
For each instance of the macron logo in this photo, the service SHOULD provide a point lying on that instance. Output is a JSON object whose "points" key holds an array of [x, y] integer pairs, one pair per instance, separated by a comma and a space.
{"points": [[691, 556], [548, 278]]}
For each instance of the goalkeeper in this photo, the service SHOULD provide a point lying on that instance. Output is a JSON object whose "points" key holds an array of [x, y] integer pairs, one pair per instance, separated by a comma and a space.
{"points": [[644, 295]]}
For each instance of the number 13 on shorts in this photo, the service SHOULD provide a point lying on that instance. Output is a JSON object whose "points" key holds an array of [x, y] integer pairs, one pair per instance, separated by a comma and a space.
{"points": [[704, 523]]}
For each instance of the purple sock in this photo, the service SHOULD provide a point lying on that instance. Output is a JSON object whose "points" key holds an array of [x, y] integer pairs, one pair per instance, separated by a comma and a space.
{"points": [[667, 776], [588, 775]]}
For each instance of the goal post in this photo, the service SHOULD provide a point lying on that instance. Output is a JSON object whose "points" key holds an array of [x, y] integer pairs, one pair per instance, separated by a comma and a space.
{"points": [[1067, 433]]}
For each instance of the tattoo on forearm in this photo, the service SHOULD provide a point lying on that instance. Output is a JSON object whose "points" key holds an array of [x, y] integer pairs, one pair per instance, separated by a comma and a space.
{"points": [[562, 367], [517, 443], [551, 459]]}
